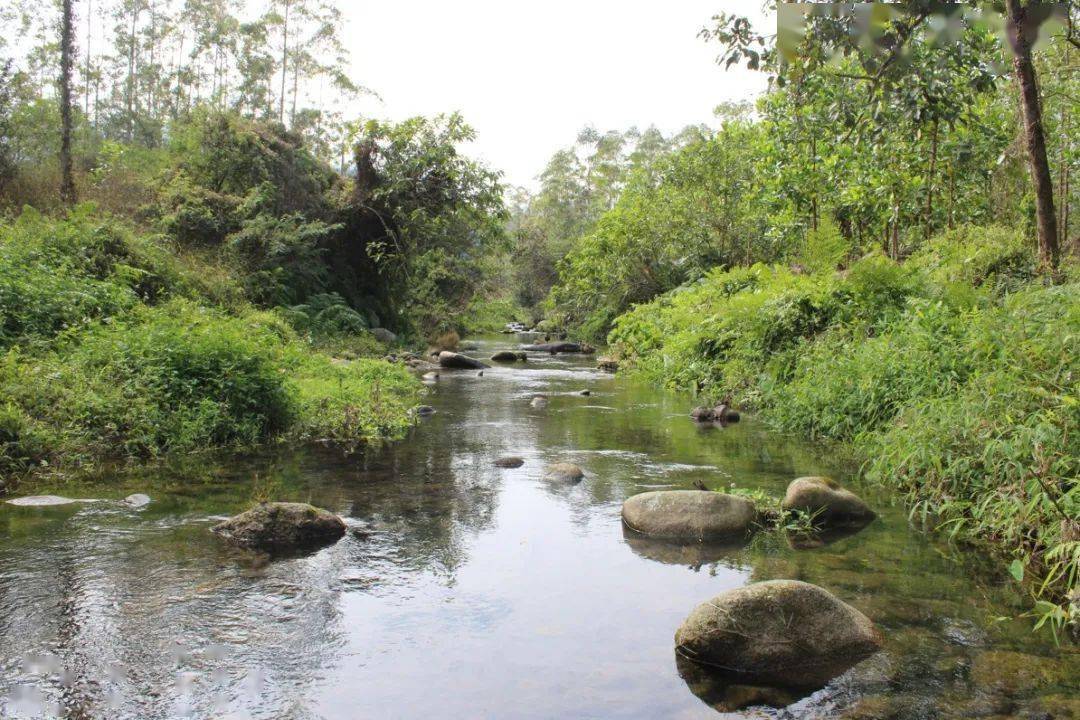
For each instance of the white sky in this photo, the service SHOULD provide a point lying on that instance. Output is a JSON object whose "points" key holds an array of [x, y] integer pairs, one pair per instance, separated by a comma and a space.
{"points": [[529, 74]]}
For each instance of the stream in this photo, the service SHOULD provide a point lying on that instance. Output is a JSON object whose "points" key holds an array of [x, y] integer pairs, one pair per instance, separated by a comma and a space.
{"points": [[467, 591]]}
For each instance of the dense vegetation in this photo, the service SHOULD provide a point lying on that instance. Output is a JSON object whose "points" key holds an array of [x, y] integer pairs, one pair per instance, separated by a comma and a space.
{"points": [[869, 258], [238, 239]]}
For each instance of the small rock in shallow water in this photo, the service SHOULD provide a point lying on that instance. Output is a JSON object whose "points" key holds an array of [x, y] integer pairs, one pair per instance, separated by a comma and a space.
{"points": [[830, 504], [565, 472], [509, 462], [425, 410], [137, 500], [585, 393], [539, 401], [282, 525]]}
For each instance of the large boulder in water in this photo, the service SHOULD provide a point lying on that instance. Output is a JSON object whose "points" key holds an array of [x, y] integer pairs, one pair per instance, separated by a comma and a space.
{"points": [[282, 526], [689, 515], [782, 632], [457, 360], [830, 504]]}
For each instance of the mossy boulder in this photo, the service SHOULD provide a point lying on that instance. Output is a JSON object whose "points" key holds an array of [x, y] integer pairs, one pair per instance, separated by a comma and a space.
{"points": [[689, 515], [509, 356], [780, 633], [282, 526], [830, 504]]}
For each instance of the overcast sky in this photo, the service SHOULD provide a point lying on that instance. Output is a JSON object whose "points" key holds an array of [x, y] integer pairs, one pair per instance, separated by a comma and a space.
{"points": [[529, 74]]}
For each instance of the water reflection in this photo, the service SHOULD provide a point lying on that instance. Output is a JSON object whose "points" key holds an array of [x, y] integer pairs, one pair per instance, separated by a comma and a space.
{"points": [[467, 590]]}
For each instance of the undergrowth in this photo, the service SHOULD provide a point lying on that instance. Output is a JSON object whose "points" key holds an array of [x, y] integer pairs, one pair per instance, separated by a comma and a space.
{"points": [[954, 376]]}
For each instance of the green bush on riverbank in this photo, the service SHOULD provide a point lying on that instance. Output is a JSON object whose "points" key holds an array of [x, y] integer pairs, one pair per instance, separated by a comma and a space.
{"points": [[956, 375], [115, 346]]}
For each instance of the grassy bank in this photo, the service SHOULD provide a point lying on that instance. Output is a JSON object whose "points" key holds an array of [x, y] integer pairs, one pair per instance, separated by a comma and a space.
{"points": [[114, 344], [953, 375]]}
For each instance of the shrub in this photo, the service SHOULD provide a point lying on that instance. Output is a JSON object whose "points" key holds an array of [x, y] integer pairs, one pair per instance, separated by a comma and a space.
{"points": [[955, 376], [363, 400], [178, 377]]}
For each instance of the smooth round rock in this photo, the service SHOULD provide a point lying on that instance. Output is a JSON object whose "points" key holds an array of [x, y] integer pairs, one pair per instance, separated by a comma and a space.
{"points": [[780, 632], [539, 401], [509, 462], [565, 472], [137, 500], [425, 410], [282, 525], [689, 515], [830, 504]]}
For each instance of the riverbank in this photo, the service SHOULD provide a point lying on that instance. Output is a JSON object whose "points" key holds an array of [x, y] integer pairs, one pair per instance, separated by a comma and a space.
{"points": [[954, 377], [117, 346]]}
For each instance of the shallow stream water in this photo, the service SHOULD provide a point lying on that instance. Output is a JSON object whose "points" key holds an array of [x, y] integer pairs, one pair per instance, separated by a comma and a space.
{"points": [[467, 591]]}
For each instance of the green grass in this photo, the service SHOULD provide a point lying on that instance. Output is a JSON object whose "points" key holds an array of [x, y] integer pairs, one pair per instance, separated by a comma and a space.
{"points": [[955, 376]]}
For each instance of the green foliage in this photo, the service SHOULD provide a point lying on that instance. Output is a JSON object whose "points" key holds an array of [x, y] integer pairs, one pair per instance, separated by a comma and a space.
{"points": [[178, 377], [954, 376], [114, 350], [357, 401], [55, 275], [693, 212]]}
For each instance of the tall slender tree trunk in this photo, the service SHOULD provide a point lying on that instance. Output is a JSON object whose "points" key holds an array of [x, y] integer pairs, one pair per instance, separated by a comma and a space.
{"points": [[131, 77], [67, 59], [1022, 29], [86, 95], [284, 61], [930, 179]]}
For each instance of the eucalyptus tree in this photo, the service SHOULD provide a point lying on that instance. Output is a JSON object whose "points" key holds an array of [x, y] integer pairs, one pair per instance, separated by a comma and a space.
{"points": [[67, 60]]}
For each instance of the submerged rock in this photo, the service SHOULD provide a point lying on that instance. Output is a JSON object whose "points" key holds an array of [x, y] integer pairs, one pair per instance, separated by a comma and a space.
{"points": [[585, 393], [689, 515], [46, 501], [457, 360], [830, 504], [509, 462], [565, 472], [137, 500], [282, 526], [539, 401], [425, 410], [673, 552], [719, 413], [509, 356], [430, 377], [722, 695], [562, 347], [779, 633], [608, 364]]}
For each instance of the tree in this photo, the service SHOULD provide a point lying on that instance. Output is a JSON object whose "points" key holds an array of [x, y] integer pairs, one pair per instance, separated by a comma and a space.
{"points": [[67, 59], [911, 45], [1022, 29]]}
